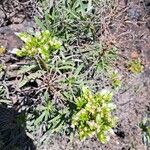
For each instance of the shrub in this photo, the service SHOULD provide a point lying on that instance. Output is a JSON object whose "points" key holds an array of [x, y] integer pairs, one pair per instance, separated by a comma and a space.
{"points": [[135, 66], [93, 115], [42, 44]]}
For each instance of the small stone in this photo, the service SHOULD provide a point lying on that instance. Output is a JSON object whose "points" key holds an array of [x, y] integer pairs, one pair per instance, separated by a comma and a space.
{"points": [[134, 55]]}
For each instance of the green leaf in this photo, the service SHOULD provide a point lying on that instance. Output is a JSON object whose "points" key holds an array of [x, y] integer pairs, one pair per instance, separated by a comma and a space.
{"points": [[5, 101], [98, 118], [39, 23], [39, 119], [78, 70], [25, 69], [23, 82], [102, 137]]}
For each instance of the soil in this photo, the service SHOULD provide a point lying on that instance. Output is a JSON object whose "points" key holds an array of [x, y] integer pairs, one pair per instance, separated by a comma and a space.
{"points": [[128, 27]]}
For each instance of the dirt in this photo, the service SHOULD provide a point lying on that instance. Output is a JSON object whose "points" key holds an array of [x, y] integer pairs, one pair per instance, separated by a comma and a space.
{"points": [[129, 29]]}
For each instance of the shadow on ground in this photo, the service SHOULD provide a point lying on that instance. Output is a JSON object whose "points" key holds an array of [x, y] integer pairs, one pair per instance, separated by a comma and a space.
{"points": [[12, 130]]}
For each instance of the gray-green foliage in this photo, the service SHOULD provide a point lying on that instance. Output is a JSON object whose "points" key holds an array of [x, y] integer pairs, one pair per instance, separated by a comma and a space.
{"points": [[48, 117], [4, 95], [145, 127], [75, 21]]}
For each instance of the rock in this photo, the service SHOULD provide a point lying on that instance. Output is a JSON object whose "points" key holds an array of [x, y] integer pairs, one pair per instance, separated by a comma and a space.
{"points": [[8, 39], [147, 5], [134, 55], [134, 13]]}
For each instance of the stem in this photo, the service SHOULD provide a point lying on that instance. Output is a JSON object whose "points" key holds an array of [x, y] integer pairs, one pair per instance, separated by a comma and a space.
{"points": [[42, 64]]}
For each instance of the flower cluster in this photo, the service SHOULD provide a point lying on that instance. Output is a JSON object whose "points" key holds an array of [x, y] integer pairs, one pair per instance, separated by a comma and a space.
{"points": [[94, 116], [43, 44]]}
